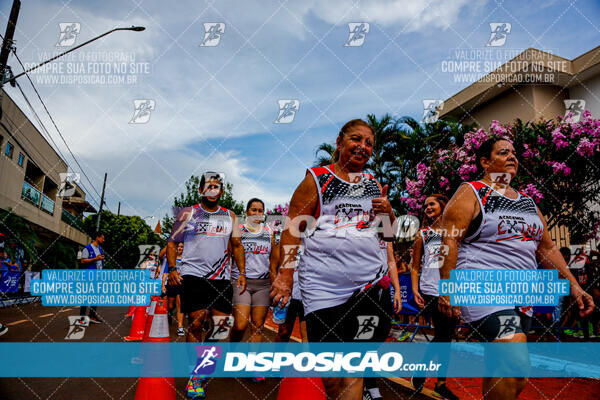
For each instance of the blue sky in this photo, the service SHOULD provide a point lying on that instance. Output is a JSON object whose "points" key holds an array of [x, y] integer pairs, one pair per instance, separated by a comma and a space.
{"points": [[215, 106]]}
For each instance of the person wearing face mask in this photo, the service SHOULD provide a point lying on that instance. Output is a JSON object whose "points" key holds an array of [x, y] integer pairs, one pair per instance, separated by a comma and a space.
{"points": [[338, 213], [210, 234], [489, 225], [261, 254], [426, 260]]}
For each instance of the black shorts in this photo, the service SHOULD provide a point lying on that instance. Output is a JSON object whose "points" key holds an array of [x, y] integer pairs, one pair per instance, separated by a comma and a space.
{"points": [[499, 325], [174, 290], [206, 294], [502, 360], [296, 309], [365, 317]]}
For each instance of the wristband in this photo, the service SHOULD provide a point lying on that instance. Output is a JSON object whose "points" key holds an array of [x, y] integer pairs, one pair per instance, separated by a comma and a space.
{"points": [[242, 273], [171, 269]]}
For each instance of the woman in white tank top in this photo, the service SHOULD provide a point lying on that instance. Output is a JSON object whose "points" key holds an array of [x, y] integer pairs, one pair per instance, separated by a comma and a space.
{"points": [[337, 209], [427, 254], [488, 224], [261, 255]]}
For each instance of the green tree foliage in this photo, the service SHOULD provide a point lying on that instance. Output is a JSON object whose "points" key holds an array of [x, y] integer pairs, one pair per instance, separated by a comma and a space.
{"points": [[40, 252], [122, 236]]}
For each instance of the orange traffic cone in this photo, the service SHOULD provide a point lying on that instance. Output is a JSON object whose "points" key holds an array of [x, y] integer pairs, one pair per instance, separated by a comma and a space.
{"points": [[157, 330], [136, 332], [130, 311], [294, 388], [155, 388], [157, 322]]}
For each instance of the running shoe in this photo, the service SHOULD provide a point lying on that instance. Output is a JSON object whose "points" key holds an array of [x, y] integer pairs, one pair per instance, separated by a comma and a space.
{"points": [[569, 332], [3, 329], [259, 379], [404, 337], [95, 320], [442, 391], [180, 332], [194, 388], [417, 382]]}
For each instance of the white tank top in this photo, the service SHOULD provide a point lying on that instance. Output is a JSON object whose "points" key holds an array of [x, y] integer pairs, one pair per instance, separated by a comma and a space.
{"points": [[341, 252], [257, 249], [430, 266], [296, 288], [205, 244], [507, 238]]}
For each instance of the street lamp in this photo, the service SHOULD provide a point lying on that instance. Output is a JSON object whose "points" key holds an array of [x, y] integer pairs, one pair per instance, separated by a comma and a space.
{"points": [[131, 28]]}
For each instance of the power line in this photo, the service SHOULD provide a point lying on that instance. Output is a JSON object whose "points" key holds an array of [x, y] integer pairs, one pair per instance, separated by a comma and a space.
{"points": [[55, 126]]}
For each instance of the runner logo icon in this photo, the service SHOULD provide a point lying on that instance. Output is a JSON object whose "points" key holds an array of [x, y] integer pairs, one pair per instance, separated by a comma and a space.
{"points": [[431, 110], [68, 33], [207, 359], [574, 109], [366, 327], [222, 326], [508, 326], [499, 33], [212, 34], [358, 33], [142, 110], [287, 111], [77, 325]]}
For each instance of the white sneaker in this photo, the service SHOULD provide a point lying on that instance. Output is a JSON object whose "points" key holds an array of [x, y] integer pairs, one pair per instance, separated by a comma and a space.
{"points": [[3, 329]]}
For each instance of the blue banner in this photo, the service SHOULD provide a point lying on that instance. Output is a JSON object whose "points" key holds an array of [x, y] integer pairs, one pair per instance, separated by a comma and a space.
{"points": [[465, 359], [91, 287], [408, 299], [9, 281], [489, 287]]}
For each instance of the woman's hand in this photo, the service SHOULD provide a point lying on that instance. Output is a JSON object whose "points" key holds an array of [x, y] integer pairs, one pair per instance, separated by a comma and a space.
{"points": [[418, 299], [381, 205], [242, 283], [281, 289], [585, 302], [397, 302]]}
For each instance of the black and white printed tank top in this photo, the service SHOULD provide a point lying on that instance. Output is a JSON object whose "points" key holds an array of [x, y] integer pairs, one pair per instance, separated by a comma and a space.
{"points": [[342, 253]]}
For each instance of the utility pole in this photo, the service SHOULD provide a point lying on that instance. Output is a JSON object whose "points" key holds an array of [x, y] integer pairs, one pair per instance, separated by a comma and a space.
{"points": [[7, 44], [119, 210], [101, 204]]}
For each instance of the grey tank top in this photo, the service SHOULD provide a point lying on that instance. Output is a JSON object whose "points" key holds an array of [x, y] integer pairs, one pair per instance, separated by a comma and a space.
{"points": [[507, 238], [341, 252], [205, 240], [430, 265], [257, 249]]}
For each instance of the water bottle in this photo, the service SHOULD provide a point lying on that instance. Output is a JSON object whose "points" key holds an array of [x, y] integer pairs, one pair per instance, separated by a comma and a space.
{"points": [[279, 312]]}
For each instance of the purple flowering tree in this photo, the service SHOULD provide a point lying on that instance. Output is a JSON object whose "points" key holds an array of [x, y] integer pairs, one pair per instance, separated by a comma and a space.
{"points": [[559, 167], [276, 218]]}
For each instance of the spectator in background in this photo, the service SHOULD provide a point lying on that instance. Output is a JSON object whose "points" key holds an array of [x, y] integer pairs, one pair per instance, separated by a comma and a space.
{"points": [[4, 267], [595, 288], [92, 257]]}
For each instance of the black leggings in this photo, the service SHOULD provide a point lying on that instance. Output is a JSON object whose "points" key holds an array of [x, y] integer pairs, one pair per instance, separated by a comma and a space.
{"points": [[444, 328]]}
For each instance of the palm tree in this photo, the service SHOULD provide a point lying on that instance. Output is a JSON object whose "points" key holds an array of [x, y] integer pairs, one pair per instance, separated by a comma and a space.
{"points": [[324, 159]]}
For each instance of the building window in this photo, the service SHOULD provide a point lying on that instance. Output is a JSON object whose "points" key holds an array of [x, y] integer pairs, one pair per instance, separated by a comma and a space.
{"points": [[9, 149], [21, 159]]}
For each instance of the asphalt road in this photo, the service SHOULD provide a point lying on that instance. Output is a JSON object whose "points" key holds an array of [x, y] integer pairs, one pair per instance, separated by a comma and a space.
{"points": [[36, 323]]}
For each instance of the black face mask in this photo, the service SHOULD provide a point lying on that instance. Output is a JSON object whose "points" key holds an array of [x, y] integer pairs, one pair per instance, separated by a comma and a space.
{"points": [[209, 203]]}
